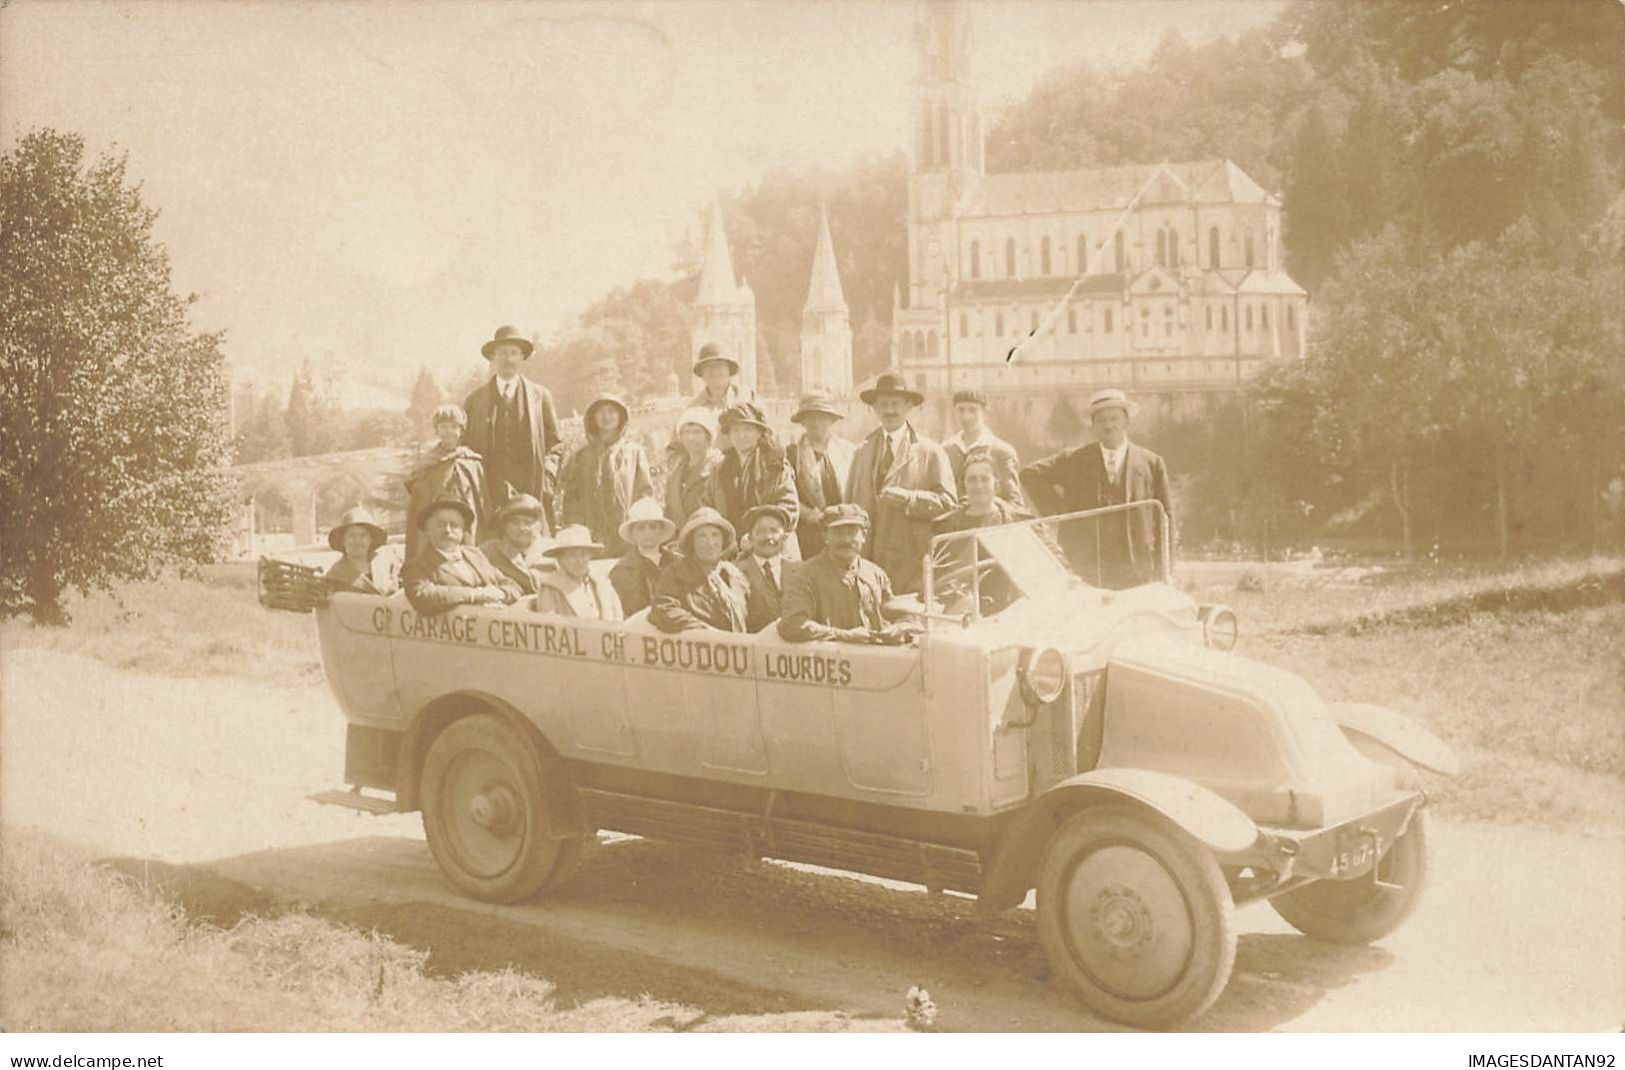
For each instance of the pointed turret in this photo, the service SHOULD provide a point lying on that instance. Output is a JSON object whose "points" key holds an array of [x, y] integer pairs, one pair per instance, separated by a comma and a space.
{"points": [[826, 325], [824, 293], [718, 283], [724, 307]]}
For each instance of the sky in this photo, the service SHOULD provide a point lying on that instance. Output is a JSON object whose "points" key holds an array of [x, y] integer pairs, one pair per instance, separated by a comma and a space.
{"points": [[388, 181]]}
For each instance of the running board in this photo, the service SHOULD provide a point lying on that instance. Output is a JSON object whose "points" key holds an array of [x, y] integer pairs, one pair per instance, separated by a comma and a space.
{"points": [[354, 800]]}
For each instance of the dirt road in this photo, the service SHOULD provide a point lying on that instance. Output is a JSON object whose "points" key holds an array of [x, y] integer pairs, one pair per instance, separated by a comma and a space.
{"points": [[201, 783]]}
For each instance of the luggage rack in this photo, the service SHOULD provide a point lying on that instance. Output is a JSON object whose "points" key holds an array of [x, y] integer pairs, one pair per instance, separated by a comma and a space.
{"points": [[291, 586]]}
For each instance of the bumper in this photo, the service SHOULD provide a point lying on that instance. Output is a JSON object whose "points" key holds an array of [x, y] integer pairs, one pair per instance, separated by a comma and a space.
{"points": [[1339, 852]]}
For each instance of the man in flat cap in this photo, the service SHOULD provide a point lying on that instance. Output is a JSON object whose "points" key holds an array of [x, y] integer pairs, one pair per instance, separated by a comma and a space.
{"points": [[902, 480], [838, 595], [970, 413], [518, 550], [446, 574], [822, 462], [1119, 550], [512, 425]]}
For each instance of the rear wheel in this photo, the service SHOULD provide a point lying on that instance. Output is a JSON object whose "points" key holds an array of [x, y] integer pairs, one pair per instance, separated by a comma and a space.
{"points": [[485, 812], [1135, 916], [1359, 911]]}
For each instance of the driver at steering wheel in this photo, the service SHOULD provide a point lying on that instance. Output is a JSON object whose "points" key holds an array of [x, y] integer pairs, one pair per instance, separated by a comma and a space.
{"points": [[837, 594]]}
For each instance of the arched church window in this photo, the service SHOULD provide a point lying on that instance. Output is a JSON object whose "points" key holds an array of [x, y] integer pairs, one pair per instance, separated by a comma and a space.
{"points": [[1264, 311], [1109, 326], [1162, 247], [1249, 245], [975, 259], [1173, 247], [1009, 259], [1071, 321], [905, 348], [1083, 254], [1117, 249], [1043, 256], [1249, 317], [1291, 319], [1224, 317], [1213, 248], [1034, 327], [998, 325], [927, 141], [964, 325], [942, 134], [1210, 317], [932, 344]]}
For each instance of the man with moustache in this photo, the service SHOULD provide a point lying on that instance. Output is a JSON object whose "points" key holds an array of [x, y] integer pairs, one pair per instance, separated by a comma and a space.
{"points": [[838, 595], [512, 425]]}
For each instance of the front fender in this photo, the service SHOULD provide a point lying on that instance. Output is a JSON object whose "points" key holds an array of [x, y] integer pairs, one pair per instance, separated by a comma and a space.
{"points": [[1210, 819], [1397, 733]]}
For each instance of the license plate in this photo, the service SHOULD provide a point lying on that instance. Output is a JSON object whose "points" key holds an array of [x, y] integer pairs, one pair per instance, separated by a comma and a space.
{"points": [[1357, 850]]}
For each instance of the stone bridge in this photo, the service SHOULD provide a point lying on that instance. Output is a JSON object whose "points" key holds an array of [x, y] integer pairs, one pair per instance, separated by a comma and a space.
{"points": [[309, 493]]}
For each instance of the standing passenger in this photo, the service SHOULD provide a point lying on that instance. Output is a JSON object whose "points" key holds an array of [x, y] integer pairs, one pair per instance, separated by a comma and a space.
{"points": [[646, 531], [970, 412], [511, 424], [902, 480], [605, 475], [823, 465], [755, 472], [691, 467], [446, 469], [701, 591]]}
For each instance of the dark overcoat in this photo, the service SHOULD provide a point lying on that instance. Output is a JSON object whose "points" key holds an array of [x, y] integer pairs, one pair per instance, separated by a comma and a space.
{"points": [[526, 473], [808, 468], [900, 531], [1116, 551], [688, 598]]}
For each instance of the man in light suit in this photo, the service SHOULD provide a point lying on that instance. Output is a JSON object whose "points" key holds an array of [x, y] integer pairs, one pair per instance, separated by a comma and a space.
{"points": [[512, 426], [1118, 550], [902, 480], [970, 412], [823, 465]]}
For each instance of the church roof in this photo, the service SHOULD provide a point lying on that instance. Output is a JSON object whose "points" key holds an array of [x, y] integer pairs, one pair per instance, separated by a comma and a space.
{"points": [[1097, 188], [718, 284], [824, 292], [1269, 282]]}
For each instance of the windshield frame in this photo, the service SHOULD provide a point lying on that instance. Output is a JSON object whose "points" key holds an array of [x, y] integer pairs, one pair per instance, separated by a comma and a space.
{"points": [[928, 590]]}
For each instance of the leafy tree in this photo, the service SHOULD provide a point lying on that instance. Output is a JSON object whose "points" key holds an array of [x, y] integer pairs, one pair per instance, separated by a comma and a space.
{"points": [[1065, 425], [113, 429], [426, 397], [264, 437]]}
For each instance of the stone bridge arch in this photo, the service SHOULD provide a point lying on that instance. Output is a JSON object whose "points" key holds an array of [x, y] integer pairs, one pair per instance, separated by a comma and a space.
{"points": [[317, 489]]}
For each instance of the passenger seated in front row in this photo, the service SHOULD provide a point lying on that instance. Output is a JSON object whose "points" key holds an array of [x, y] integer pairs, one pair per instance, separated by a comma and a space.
{"points": [[445, 573], [572, 589], [647, 531], [517, 550], [701, 591], [361, 568], [838, 595], [764, 566]]}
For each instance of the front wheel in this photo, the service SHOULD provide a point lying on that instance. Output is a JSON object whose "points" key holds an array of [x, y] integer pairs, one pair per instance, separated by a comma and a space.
{"points": [[485, 813], [1135, 916], [1361, 910]]}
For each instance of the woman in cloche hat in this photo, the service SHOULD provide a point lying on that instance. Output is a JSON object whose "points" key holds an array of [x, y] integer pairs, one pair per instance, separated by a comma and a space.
{"points": [[646, 532], [755, 471], [358, 538], [700, 591], [605, 475], [573, 589], [691, 464]]}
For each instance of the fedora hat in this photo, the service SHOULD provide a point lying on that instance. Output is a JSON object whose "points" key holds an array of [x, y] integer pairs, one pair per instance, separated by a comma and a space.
{"points": [[745, 412], [438, 504], [819, 402], [507, 336], [709, 352], [768, 509], [574, 537], [893, 384], [607, 399], [358, 517], [701, 417], [519, 505], [845, 515], [645, 509], [1111, 398], [705, 516]]}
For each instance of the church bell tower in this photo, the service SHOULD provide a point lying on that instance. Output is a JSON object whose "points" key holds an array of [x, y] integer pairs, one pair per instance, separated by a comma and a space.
{"points": [[946, 155]]}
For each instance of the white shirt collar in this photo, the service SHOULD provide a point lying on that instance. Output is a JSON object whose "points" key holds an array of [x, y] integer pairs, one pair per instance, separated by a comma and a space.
{"points": [[768, 565], [1114, 457], [895, 438], [506, 387], [983, 435]]}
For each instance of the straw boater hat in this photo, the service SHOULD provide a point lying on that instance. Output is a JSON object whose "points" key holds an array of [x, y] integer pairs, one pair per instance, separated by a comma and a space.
{"points": [[1110, 398], [817, 403], [701, 417], [507, 336], [438, 504], [519, 505], [358, 517], [708, 352], [607, 399], [845, 515], [705, 516], [574, 537], [768, 509], [646, 509], [743, 413], [894, 385]]}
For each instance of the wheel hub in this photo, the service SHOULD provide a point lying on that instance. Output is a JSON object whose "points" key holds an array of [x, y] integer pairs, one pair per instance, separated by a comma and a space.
{"points": [[1122, 922], [494, 809]]}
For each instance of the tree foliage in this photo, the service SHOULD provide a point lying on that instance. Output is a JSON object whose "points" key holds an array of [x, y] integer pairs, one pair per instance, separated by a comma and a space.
{"points": [[112, 409]]}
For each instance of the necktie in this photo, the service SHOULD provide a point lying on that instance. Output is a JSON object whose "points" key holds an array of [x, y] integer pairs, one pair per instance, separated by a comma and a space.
{"points": [[885, 458], [772, 576], [832, 487]]}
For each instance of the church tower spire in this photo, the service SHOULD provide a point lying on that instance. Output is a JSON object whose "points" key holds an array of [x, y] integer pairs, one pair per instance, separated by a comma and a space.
{"points": [[947, 158], [826, 322], [724, 306]]}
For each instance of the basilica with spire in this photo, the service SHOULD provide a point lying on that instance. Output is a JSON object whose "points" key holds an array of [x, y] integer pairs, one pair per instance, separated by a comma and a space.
{"points": [[1177, 265]]}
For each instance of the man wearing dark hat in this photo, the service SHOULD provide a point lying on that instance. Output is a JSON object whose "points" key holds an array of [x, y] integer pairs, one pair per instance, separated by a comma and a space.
{"points": [[605, 475], [511, 424], [764, 565], [838, 595], [445, 573], [518, 550], [970, 412], [1118, 550], [717, 372], [902, 480], [822, 462]]}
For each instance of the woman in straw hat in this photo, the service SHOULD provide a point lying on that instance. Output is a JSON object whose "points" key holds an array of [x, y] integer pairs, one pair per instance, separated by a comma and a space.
{"points": [[692, 464], [358, 537], [646, 531], [573, 590], [700, 591], [605, 475]]}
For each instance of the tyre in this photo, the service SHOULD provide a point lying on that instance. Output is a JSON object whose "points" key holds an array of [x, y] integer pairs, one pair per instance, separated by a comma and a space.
{"points": [[1358, 911], [1135, 916], [485, 812]]}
